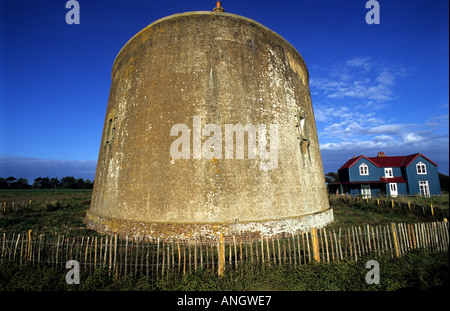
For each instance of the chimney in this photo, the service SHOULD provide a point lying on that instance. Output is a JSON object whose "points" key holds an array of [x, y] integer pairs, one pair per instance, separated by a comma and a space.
{"points": [[381, 154], [218, 7]]}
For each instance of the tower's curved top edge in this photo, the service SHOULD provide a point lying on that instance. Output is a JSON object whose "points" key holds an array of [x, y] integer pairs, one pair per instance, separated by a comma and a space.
{"points": [[209, 13]]}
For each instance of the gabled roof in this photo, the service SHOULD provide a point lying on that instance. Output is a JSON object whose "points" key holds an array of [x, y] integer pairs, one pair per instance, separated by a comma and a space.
{"points": [[412, 157], [387, 161], [395, 161], [383, 180], [352, 161]]}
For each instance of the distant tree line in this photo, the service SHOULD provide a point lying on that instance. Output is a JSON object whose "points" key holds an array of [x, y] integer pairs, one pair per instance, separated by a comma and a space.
{"points": [[68, 182]]}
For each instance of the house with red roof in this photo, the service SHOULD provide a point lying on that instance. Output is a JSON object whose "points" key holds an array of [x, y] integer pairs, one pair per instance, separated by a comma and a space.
{"points": [[413, 174]]}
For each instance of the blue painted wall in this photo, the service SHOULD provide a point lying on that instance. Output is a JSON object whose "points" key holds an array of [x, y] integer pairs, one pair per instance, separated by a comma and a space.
{"points": [[401, 188], [396, 170], [413, 178], [374, 171], [408, 173]]}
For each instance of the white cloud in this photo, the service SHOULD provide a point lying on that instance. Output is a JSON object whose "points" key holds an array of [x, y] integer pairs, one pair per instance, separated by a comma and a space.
{"points": [[360, 62], [411, 138], [393, 129], [358, 78], [383, 138]]}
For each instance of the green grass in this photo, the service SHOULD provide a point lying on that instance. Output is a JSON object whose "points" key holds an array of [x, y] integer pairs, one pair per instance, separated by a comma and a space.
{"points": [[415, 270], [63, 211], [45, 211], [351, 212]]}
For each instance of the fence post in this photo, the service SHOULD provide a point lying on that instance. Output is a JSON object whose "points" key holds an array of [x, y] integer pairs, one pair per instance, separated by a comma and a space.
{"points": [[235, 251], [395, 240], [184, 257], [326, 244], [115, 256], [57, 251], [29, 246], [157, 256], [3, 247], [195, 253], [262, 249], [315, 244], [221, 260], [201, 252], [279, 251]]}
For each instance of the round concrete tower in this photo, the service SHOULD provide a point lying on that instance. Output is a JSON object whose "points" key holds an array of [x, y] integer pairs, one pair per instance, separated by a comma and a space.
{"points": [[209, 128]]}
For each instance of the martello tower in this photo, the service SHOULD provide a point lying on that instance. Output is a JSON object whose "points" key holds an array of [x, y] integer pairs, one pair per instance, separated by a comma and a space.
{"points": [[209, 128]]}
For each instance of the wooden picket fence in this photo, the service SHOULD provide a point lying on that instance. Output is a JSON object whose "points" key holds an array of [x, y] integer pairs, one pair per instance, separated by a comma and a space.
{"points": [[159, 257]]}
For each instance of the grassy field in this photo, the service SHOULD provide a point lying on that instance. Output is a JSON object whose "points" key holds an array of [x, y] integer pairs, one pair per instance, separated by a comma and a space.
{"points": [[63, 212], [351, 212], [45, 211], [415, 270]]}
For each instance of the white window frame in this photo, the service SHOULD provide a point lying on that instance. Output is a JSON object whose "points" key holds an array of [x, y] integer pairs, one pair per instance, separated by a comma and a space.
{"points": [[366, 192], [363, 169], [424, 188], [393, 190], [388, 172], [421, 168]]}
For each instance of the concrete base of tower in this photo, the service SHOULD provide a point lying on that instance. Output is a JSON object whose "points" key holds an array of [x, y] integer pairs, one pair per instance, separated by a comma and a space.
{"points": [[124, 228]]}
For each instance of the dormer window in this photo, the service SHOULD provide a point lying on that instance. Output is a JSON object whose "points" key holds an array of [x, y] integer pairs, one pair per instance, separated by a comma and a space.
{"points": [[388, 172], [421, 168], [363, 169]]}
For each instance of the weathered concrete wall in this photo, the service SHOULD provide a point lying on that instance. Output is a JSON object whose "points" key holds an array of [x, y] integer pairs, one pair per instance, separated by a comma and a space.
{"points": [[224, 69]]}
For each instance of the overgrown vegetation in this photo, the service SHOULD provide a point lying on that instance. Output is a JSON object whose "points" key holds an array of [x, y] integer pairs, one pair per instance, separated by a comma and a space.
{"points": [[415, 270], [63, 211]]}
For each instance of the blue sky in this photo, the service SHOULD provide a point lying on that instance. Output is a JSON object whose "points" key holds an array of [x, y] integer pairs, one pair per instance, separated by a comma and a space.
{"points": [[374, 87]]}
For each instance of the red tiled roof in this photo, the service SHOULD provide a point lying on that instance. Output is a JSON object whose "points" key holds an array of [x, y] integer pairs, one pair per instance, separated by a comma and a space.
{"points": [[385, 161], [412, 157], [383, 180], [395, 161], [392, 179], [352, 161]]}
